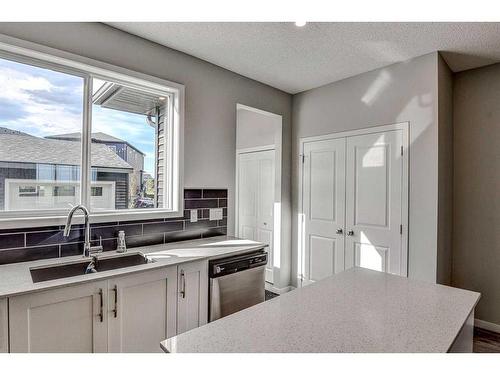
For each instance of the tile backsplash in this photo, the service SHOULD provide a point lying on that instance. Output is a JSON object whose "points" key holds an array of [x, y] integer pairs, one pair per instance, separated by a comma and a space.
{"points": [[21, 245]]}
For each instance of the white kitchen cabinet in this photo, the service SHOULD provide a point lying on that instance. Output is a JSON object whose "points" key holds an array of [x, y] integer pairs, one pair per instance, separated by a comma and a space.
{"points": [[70, 319], [131, 313], [192, 300], [4, 327], [142, 311]]}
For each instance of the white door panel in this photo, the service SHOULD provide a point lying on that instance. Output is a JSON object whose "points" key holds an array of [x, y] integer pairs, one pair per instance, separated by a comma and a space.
{"points": [[256, 190], [372, 257], [323, 208], [325, 258], [374, 201], [265, 221], [248, 232]]}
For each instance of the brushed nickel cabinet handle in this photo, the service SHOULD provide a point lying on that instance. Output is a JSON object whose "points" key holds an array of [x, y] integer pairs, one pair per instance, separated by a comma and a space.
{"points": [[101, 304], [183, 285], [115, 310]]}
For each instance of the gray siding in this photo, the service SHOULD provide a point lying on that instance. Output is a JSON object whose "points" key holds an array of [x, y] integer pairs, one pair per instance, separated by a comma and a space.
{"points": [[160, 180]]}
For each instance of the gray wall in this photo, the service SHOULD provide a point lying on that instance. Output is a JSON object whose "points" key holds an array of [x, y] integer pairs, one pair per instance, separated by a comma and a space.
{"points": [[476, 229], [445, 172], [256, 129], [401, 92], [211, 96]]}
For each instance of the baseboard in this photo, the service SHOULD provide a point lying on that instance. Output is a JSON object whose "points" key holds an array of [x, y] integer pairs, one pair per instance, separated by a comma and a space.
{"points": [[487, 325], [273, 289]]}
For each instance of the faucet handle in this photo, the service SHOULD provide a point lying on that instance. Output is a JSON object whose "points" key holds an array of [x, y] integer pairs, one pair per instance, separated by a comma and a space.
{"points": [[96, 249]]}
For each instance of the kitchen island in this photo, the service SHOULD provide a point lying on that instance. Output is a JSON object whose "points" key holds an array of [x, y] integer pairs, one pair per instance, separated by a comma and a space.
{"points": [[357, 310]]}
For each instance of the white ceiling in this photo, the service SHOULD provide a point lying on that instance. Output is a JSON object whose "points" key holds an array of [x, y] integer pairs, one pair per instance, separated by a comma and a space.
{"points": [[295, 59]]}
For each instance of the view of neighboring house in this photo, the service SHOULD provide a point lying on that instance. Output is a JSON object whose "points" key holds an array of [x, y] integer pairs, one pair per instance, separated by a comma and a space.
{"points": [[133, 156], [38, 173]]}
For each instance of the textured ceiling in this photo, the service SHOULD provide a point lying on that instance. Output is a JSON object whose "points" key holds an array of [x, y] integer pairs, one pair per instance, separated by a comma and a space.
{"points": [[295, 59]]}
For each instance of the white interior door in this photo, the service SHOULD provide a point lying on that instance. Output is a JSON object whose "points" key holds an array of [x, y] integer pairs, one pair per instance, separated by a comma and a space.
{"points": [[374, 175], [323, 209], [256, 191]]}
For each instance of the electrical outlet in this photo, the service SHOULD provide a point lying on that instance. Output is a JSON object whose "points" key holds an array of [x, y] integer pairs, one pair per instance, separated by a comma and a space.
{"points": [[194, 216], [216, 214]]}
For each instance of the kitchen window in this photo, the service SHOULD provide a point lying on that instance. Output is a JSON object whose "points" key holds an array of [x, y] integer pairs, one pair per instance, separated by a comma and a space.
{"points": [[103, 138]]}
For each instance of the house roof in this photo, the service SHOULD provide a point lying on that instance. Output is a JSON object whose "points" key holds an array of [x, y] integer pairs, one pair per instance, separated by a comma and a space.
{"points": [[96, 137], [24, 148], [99, 136]]}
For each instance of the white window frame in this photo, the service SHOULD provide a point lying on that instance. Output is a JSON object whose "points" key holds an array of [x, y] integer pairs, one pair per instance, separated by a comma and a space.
{"points": [[45, 57]]}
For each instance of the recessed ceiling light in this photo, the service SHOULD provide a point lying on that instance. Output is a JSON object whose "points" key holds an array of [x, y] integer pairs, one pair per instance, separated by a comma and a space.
{"points": [[300, 23]]}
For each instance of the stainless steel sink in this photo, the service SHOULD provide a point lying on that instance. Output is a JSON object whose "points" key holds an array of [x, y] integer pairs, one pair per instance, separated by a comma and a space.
{"points": [[77, 268]]}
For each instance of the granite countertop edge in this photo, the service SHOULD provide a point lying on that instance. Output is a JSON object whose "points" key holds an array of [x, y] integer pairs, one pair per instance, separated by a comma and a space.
{"points": [[285, 320]]}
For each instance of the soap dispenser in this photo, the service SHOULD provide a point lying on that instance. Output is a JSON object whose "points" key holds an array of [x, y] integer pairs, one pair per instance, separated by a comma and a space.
{"points": [[122, 246]]}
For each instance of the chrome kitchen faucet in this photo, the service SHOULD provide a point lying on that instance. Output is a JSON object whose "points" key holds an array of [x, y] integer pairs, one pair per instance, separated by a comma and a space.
{"points": [[87, 249]]}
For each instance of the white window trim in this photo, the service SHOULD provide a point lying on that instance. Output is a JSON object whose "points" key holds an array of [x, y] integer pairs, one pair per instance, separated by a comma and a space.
{"points": [[46, 57]]}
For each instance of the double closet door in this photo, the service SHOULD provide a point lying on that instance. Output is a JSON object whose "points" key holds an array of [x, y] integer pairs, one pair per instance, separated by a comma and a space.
{"points": [[353, 204]]}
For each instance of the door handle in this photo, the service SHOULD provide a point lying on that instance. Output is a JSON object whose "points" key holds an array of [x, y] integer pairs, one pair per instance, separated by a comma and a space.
{"points": [[183, 285], [101, 303], [115, 310], [350, 233], [339, 231]]}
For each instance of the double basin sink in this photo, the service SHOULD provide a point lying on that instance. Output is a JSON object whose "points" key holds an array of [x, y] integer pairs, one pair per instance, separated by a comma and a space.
{"points": [[77, 268]]}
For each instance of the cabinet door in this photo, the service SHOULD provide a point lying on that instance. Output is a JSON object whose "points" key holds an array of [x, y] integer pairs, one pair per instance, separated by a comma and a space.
{"points": [[4, 343], [142, 309], [192, 302], [70, 319]]}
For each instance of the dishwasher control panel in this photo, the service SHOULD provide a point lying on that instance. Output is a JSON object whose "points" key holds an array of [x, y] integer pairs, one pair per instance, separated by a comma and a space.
{"points": [[229, 265]]}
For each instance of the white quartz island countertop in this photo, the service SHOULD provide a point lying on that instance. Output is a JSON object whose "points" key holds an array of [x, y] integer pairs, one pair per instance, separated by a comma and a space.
{"points": [[16, 278], [354, 311]]}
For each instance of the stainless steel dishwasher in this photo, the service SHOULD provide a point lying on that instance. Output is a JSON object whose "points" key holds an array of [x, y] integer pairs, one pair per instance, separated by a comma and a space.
{"points": [[236, 283]]}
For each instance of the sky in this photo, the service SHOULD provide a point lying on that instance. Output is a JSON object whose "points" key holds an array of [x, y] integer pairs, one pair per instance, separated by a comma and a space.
{"points": [[42, 102]]}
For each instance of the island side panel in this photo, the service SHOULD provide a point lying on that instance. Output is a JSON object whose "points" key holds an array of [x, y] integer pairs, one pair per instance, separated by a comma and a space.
{"points": [[464, 341]]}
